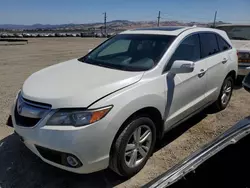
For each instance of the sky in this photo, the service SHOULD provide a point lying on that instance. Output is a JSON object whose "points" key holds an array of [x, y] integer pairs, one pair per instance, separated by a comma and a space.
{"points": [[87, 11]]}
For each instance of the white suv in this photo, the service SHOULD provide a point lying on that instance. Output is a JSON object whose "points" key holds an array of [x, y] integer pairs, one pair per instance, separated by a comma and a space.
{"points": [[108, 108]]}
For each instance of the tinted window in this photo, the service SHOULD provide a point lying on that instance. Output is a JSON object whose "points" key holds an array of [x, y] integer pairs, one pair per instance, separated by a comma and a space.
{"points": [[209, 45], [223, 45], [130, 52], [188, 50]]}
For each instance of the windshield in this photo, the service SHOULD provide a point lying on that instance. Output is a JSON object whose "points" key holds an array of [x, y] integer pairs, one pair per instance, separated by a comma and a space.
{"points": [[237, 32], [130, 52]]}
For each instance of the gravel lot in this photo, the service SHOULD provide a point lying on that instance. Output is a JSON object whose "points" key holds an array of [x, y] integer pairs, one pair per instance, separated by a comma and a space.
{"points": [[20, 168]]}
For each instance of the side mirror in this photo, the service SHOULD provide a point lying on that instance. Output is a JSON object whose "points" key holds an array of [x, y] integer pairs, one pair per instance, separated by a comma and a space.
{"points": [[246, 83], [181, 66], [90, 50]]}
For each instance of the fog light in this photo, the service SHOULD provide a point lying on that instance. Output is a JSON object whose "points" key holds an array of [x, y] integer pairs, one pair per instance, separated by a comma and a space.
{"points": [[72, 161]]}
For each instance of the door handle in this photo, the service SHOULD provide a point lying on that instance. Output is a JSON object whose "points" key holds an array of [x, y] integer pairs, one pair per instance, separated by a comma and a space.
{"points": [[224, 60], [202, 73]]}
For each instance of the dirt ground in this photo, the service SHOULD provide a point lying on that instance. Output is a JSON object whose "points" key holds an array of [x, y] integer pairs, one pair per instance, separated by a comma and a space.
{"points": [[20, 168]]}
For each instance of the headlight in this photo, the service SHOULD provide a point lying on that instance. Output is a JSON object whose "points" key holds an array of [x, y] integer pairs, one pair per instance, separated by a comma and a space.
{"points": [[77, 117]]}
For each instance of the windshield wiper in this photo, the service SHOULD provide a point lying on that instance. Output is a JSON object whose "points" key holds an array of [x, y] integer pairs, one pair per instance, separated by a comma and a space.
{"points": [[82, 59]]}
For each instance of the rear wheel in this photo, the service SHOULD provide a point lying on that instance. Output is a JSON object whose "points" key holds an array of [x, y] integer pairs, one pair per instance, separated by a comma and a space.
{"points": [[225, 94], [133, 146]]}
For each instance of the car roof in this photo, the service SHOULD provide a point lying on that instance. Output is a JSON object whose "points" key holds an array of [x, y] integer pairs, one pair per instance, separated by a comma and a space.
{"points": [[171, 30], [175, 31]]}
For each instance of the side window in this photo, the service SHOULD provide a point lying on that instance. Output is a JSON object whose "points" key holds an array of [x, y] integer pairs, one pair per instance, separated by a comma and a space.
{"points": [[188, 50], [209, 45], [120, 46], [223, 45]]}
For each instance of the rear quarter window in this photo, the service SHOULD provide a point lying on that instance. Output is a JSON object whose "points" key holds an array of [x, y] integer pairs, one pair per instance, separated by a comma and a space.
{"points": [[223, 45]]}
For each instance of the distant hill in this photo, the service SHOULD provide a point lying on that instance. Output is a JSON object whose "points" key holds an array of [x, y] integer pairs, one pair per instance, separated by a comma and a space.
{"points": [[113, 25], [35, 26]]}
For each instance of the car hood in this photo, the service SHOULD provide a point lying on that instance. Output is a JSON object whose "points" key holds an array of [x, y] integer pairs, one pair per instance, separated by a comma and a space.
{"points": [[74, 84], [241, 45]]}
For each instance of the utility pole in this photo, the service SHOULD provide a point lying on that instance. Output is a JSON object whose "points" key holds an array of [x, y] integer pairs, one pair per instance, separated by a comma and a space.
{"points": [[215, 16], [105, 23], [159, 18]]}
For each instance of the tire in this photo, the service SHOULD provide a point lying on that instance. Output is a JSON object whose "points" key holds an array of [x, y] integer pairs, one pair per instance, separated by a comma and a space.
{"points": [[121, 160], [220, 105]]}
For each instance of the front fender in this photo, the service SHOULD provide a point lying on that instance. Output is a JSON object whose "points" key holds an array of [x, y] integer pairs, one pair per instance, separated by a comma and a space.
{"points": [[131, 99]]}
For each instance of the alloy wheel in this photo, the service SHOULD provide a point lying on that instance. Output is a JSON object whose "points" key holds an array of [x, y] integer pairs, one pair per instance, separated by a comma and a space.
{"points": [[226, 92], [138, 146]]}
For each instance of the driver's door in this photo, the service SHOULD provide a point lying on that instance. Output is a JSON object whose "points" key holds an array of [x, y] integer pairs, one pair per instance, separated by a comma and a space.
{"points": [[185, 93]]}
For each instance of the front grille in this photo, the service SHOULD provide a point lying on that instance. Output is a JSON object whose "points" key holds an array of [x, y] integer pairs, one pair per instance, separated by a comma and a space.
{"points": [[37, 104], [28, 113], [25, 121]]}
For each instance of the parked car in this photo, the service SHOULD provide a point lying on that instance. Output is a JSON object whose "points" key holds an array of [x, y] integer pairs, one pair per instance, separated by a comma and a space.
{"points": [[69, 35], [18, 35], [4, 35], [33, 35], [52, 35], [26, 35], [108, 108], [88, 34], [9, 35], [98, 35], [240, 37]]}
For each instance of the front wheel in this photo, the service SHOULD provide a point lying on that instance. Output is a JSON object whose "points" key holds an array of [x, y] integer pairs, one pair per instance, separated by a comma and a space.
{"points": [[225, 94], [133, 146]]}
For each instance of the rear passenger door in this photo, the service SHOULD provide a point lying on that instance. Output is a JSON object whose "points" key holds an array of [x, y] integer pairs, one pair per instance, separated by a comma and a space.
{"points": [[216, 57]]}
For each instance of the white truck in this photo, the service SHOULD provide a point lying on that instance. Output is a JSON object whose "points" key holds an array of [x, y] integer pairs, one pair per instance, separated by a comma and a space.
{"points": [[240, 38]]}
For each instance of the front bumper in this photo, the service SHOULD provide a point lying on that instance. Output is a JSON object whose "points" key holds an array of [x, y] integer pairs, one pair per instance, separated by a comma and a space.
{"points": [[90, 144]]}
